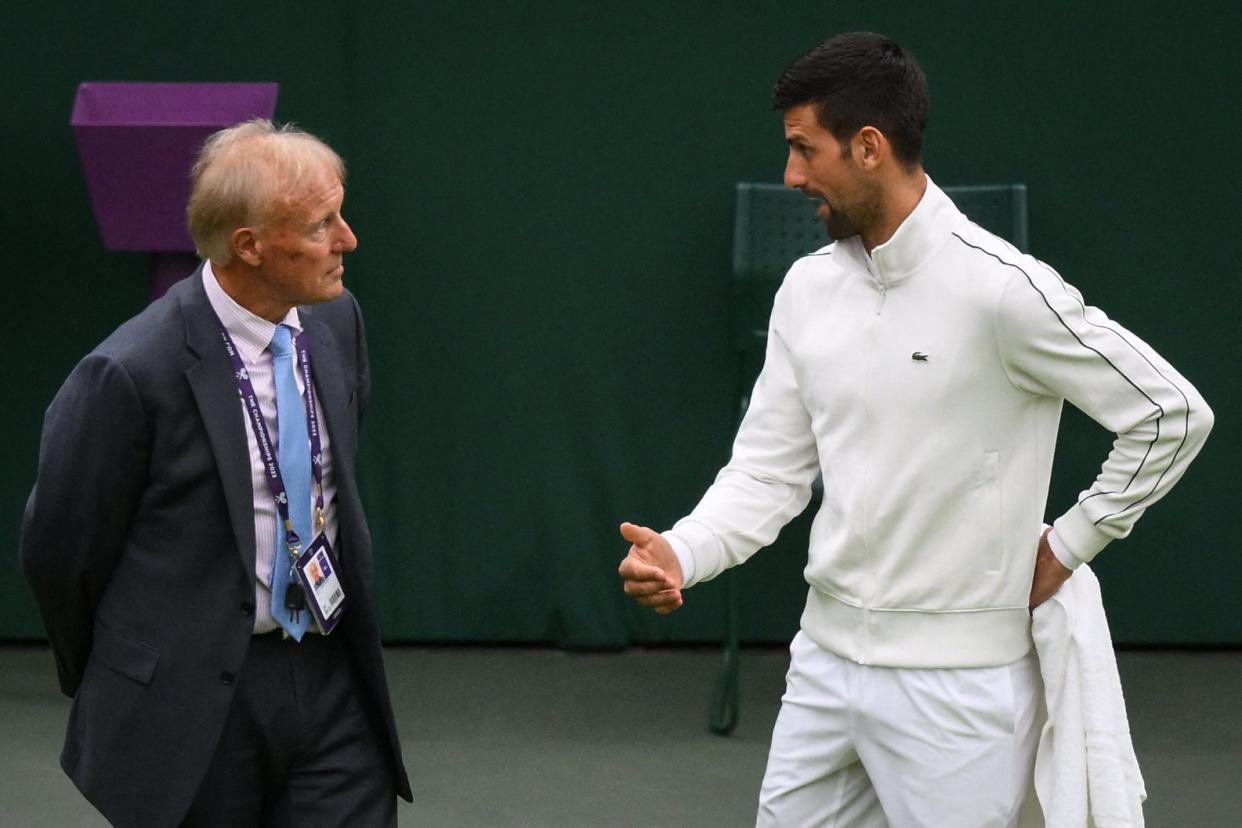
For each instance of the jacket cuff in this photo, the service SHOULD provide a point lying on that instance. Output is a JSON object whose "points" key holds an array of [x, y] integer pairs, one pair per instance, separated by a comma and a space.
{"points": [[684, 557], [1081, 539], [1061, 552], [685, 538]]}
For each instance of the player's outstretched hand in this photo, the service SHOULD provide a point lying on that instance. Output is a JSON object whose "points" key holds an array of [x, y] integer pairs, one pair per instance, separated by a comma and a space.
{"points": [[651, 571]]}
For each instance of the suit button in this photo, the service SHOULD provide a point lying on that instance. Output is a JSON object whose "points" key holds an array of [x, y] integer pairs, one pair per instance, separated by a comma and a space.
{"points": [[247, 608], [226, 677]]}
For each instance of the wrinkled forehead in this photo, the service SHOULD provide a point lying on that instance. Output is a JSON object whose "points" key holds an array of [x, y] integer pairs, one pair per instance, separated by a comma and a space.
{"points": [[802, 119], [305, 194]]}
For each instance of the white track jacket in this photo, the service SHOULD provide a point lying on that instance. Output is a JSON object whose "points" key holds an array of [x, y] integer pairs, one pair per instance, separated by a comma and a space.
{"points": [[925, 382]]}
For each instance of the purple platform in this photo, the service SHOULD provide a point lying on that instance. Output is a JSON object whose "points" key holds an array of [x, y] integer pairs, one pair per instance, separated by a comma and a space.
{"points": [[137, 142]]}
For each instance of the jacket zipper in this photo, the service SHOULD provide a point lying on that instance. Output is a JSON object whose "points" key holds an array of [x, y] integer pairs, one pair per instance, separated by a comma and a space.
{"points": [[867, 594], [873, 271]]}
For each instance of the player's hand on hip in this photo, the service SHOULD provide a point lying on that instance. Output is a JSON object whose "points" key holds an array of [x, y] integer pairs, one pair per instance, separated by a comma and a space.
{"points": [[651, 571], [1049, 572]]}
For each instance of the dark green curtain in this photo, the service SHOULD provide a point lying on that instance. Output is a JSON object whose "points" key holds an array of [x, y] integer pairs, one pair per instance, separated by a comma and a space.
{"points": [[543, 193]]}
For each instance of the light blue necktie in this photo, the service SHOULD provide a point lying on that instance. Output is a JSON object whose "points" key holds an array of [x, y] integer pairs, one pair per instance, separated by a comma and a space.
{"points": [[295, 467]]}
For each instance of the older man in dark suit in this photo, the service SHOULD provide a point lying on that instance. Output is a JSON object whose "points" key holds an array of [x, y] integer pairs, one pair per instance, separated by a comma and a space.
{"points": [[194, 468]]}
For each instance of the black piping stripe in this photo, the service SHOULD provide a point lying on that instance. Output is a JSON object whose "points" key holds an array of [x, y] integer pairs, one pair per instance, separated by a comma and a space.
{"points": [[810, 256], [1154, 367], [1110, 364]]}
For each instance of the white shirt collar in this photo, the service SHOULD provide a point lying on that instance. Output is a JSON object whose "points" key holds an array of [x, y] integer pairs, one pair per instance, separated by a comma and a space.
{"points": [[251, 333]]}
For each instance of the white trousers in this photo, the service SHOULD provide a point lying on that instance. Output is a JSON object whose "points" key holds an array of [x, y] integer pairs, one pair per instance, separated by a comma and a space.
{"points": [[865, 747]]}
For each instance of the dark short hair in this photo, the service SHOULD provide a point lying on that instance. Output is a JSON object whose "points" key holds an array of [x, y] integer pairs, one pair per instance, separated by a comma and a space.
{"points": [[860, 79]]}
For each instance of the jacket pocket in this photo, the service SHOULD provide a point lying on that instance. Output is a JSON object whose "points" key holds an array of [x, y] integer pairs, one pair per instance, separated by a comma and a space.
{"points": [[132, 659], [991, 514]]}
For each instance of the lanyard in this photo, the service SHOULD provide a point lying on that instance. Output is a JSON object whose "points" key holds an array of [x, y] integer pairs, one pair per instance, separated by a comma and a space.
{"points": [[271, 464]]}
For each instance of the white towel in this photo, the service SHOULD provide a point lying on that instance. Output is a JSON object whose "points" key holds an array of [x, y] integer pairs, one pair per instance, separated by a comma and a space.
{"points": [[1086, 774]]}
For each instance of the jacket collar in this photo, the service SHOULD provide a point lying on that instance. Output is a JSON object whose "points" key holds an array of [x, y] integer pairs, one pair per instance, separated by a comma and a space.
{"points": [[917, 240]]}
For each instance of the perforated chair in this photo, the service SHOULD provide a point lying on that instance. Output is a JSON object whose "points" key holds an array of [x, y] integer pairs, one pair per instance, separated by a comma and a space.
{"points": [[773, 226]]}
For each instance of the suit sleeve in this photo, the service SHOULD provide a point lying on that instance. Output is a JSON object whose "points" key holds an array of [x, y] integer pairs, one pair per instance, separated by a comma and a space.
{"points": [[1053, 343], [768, 479], [92, 470]]}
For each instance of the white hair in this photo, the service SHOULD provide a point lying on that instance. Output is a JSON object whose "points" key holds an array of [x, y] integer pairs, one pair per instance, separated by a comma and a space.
{"points": [[244, 175]]}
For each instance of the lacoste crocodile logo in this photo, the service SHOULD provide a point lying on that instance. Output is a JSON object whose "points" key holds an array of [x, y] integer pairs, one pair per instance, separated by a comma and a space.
{"points": [[918, 356]]}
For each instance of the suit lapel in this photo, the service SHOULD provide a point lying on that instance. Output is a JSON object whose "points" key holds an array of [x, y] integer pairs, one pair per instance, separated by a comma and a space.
{"points": [[215, 390], [330, 386], [334, 390]]}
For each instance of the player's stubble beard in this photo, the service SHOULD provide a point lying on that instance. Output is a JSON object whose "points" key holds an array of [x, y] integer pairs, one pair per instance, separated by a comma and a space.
{"points": [[845, 221]]}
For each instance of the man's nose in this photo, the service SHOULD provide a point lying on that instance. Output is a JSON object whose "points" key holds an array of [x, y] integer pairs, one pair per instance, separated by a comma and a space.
{"points": [[348, 240], [795, 177]]}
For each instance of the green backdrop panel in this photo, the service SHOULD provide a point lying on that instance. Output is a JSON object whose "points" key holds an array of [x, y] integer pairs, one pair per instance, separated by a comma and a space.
{"points": [[543, 195]]}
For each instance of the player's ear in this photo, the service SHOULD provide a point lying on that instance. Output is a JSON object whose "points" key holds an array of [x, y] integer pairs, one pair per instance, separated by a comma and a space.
{"points": [[870, 147]]}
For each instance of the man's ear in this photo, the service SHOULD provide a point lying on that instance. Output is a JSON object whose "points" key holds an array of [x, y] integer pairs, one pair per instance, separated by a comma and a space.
{"points": [[246, 246], [870, 147]]}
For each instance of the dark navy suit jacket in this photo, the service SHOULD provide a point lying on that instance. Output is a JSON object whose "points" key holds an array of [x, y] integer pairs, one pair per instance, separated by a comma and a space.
{"points": [[138, 542]]}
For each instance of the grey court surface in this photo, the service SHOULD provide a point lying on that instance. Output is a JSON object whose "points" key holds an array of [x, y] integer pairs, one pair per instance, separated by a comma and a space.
{"points": [[534, 737]]}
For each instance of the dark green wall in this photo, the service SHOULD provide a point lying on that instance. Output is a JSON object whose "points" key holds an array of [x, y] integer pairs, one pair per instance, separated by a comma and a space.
{"points": [[543, 195]]}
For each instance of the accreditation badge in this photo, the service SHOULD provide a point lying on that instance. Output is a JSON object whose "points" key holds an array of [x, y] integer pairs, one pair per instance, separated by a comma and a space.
{"points": [[317, 570]]}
